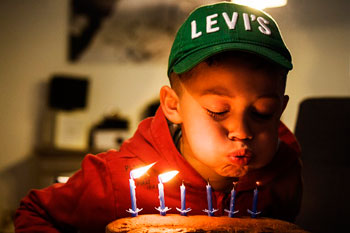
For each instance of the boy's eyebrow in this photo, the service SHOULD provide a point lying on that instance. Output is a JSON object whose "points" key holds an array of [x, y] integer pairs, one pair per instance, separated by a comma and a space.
{"points": [[220, 91], [272, 95], [217, 91]]}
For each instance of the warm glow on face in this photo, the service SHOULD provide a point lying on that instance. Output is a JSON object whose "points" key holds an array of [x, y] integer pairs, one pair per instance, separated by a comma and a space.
{"points": [[138, 172], [165, 177], [261, 4]]}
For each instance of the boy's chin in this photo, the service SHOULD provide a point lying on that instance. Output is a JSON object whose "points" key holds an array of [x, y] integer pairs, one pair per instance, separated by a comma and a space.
{"points": [[233, 171]]}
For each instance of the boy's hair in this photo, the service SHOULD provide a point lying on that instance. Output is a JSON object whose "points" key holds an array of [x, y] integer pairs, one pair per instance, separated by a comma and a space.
{"points": [[254, 61], [214, 29]]}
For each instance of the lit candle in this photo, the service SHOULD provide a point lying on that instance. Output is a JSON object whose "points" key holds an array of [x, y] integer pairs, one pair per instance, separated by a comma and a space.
{"points": [[183, 209], [210, 209], [134, 174], [165, 177], [232, 211], [254, 211], [134, 210], [161, 195]]}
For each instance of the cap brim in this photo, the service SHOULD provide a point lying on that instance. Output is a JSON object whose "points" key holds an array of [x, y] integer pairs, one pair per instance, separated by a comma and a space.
{"points": [[191, 60]]}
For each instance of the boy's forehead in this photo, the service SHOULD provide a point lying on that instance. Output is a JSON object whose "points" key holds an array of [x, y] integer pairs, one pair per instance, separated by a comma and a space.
{"points": [[225, 79]]}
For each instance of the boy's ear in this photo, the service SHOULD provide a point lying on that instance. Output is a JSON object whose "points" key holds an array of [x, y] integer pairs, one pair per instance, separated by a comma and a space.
{"points": [[285, 102], [169, 102]]}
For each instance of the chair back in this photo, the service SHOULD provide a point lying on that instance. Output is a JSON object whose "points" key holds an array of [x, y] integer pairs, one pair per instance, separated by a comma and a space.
{"points": [[323, 131]]}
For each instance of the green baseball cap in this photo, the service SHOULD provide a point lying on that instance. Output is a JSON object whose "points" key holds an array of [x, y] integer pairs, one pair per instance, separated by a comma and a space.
{"points": [[224, 26]]}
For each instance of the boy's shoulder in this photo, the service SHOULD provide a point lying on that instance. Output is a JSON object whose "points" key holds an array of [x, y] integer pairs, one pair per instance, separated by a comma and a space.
{"points": [[150, 143], [113, 157], [286, 136]]}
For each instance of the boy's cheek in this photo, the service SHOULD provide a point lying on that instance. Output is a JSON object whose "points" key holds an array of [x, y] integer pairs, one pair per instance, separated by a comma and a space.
{"points": [[205, 136], [269, 128], [266, 146]]}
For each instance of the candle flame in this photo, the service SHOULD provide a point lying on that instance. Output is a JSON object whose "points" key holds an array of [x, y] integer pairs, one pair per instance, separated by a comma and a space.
{"points": [[138, 172], [257, 183], [165, 177]]}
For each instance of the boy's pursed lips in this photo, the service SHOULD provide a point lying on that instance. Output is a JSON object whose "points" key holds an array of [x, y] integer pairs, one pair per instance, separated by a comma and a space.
{"points": [[241, 156]]}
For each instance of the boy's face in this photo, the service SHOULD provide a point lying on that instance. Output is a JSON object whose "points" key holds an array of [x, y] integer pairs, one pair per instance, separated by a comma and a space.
{"points": [[230, 116]]}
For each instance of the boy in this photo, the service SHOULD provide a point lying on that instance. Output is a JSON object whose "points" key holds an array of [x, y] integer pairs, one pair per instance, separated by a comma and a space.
{"points": [[218, 122]]}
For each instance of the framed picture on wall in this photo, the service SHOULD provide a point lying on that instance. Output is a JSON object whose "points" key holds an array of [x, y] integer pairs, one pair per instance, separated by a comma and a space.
{"points": [[125, 30]]}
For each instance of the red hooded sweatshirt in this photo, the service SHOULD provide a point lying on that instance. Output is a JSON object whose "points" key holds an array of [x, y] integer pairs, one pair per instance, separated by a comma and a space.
{"points": [[99, 192]]}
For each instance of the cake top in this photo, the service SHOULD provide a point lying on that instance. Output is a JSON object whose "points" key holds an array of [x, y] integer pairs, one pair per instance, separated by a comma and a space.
{"points": [[199, 223]]}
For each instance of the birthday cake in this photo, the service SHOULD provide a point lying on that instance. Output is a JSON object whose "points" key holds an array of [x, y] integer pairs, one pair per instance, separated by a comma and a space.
{"points": [[199, 223]]}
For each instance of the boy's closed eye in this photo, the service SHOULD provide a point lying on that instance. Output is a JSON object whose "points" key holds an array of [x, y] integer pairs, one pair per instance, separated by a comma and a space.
{"points": [[217, 115], [261, 115], [265, 109], [221, 115], [215, 107]]}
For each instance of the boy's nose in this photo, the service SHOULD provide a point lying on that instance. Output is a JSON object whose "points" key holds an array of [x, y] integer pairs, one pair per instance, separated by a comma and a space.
{"points": [[239, 130]]}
